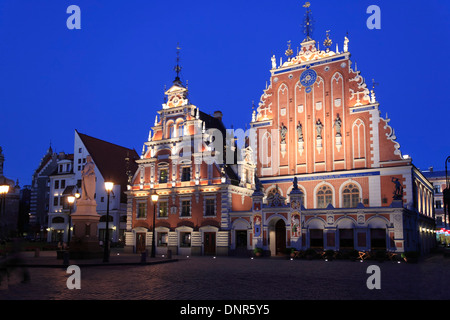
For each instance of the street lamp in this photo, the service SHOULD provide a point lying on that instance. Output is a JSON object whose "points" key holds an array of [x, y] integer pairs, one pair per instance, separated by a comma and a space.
{"points": [[108, 187], [71, 200], [154, 200], [3, 191]]}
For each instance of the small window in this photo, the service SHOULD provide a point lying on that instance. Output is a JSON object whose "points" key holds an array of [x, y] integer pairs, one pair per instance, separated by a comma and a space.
{"points": [[438, 204], [163, 239], [56, 184], [163, 176], [186, 174], [55, 201], [210, 208], [185, 239], [102, 199], [185, 208], [80, 150], [163, 208], [63, 184], [142, 210]]}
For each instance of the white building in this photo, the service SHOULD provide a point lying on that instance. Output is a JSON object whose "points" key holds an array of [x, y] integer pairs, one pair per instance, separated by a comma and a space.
{"points": [[111, 164]]}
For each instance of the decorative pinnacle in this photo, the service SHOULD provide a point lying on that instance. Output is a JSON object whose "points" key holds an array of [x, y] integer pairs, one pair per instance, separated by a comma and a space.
{"points": [[289, 51], [308, 22], [178, 68], [327, 43]]}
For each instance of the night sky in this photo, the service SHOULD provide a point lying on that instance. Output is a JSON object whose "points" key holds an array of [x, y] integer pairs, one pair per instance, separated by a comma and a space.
{"points": [[107, 79]]}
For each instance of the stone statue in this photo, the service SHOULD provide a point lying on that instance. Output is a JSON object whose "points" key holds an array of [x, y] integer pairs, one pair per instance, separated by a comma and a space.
{"points": [[319, 127], [299, 132], [295, 183], [338, 126], [88, 180], [274, 63], [283, 133], [398, 193]]}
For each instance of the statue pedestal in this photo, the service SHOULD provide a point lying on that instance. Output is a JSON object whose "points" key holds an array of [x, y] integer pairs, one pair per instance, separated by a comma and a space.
{"points": [[85, 243]]}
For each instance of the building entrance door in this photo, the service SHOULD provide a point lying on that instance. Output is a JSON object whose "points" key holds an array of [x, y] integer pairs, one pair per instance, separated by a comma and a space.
{"points": [[280, 237], [209, 243], [140, 242], [241, 242]]}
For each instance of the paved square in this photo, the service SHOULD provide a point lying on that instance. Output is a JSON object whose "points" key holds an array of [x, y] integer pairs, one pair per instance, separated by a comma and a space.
{"points": [[228, 278]]}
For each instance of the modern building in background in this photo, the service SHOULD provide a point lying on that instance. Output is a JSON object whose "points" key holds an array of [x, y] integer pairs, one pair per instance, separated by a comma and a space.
{"points": [[112, 162]]}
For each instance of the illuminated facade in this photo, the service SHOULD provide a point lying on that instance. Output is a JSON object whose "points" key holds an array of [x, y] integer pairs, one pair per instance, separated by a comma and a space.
{"points": [[317, 122]]}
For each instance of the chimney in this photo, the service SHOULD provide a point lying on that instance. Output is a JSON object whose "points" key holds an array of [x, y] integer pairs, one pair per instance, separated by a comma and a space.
{"points": [[218, 115]]}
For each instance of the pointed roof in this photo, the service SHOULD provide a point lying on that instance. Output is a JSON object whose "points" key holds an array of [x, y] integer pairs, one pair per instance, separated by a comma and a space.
{"points": [[110, 159]]}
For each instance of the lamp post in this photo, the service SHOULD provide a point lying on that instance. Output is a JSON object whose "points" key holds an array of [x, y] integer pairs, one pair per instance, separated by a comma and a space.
{"points": [[446, 193], [3, 191], [71, 200], [108, 186], [154, 200]]}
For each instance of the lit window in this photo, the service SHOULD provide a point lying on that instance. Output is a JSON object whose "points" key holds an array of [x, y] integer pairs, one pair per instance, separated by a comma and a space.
{"points": [[163, 239], [163, 208], [185, 239], [163, 176]]}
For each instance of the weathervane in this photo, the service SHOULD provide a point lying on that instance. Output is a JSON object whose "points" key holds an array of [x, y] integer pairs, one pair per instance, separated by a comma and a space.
{"points": [[308, 22]]}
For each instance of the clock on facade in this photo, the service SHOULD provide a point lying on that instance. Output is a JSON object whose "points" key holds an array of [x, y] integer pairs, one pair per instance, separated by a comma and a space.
{"points": [[308, 78]]}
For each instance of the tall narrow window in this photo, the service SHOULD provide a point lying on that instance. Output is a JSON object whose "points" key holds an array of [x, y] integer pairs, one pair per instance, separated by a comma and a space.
{"points": [[210, 208], [185, 208], [186, 174], [170, 131], [142, 210], [324, 196], [350, 196], [163, 176], [180, 130], [163, 208]]}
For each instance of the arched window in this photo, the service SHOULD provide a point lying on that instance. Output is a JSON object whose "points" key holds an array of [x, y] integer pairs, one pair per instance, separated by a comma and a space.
{"points": [[324, 196], [350, 196], [170, 131], [180, 129], [58, 220]]}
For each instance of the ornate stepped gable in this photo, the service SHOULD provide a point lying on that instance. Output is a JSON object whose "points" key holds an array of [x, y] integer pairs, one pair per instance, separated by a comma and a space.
{"points": [[320, 114]]}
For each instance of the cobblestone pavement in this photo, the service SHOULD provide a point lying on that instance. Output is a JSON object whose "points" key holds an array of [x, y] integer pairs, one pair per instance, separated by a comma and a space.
{"points": [[229, 278]]}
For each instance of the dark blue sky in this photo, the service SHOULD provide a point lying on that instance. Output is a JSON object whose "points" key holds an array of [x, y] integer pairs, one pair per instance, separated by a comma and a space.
{"points": [[107, 79]]}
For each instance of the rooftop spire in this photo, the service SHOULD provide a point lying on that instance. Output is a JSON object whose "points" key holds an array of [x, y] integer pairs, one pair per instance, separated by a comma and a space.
{"points": [[178, 68], [308, 22]]}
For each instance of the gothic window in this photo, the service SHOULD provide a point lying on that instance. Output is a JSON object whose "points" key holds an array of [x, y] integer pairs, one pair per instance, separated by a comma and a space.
{"points": [[350, 196], [359, 139], [266, 153], [324, 196]]}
